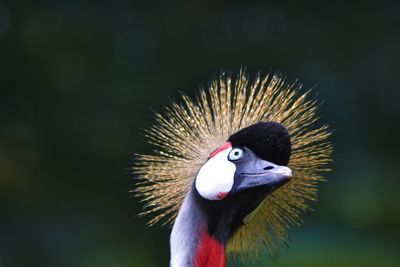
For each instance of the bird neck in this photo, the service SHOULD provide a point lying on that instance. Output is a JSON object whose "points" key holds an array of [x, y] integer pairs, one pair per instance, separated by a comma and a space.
{"points": [[192, 242]]}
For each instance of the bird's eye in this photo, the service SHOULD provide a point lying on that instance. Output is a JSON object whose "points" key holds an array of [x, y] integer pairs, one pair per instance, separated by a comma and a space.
{"points": [[235, 154]]}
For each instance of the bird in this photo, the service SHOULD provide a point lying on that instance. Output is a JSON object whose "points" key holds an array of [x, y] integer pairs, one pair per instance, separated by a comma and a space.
{"points": [[234, 168]]}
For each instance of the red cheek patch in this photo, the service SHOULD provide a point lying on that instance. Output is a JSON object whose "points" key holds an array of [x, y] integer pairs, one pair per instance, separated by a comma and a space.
{"points": [[222, 195], [221, 148]]}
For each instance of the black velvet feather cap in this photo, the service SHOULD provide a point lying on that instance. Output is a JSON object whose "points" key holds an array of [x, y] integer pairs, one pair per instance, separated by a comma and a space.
{"points": [[268, 140]]}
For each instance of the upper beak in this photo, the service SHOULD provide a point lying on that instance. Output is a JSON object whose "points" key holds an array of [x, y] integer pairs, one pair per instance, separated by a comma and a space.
{"points": [[257, 172]]}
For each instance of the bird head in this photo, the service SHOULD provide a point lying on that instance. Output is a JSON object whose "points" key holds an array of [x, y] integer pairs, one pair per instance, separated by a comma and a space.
{"points": [[241, 173], [248, 150]]}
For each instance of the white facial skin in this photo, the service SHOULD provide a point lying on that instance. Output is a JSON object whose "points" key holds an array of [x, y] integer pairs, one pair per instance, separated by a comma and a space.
{"points": [[215, 178]]}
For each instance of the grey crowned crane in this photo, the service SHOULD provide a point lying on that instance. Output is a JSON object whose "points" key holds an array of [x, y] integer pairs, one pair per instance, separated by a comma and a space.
{"points": [[234, 169]]}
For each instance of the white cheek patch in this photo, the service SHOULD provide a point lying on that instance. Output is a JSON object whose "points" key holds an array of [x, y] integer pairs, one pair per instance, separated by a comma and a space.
{"points": [[215, 179]]}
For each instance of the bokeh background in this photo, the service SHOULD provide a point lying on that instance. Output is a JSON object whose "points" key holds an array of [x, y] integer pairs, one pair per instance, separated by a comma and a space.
{"points": [[79, 80]]}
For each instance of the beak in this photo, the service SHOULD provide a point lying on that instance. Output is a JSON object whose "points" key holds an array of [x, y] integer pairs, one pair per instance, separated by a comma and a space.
{"points": [[256, 172]]}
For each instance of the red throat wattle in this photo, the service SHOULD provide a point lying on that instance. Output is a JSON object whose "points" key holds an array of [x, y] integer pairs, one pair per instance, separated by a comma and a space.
{"points": [[210, 252]]}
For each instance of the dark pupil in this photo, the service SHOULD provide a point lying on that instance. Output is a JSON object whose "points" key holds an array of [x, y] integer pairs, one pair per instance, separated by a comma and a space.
{"points": [[237, 153]]}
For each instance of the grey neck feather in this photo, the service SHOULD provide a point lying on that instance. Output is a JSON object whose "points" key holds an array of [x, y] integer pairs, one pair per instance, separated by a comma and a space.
{"points": [[185, 233]]}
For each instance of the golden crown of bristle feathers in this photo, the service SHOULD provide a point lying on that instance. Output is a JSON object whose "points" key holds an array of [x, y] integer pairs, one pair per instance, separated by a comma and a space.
{"points": [[188, 132]]}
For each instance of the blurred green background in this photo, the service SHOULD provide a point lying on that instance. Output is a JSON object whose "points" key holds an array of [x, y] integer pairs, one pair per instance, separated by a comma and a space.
{"points": [[78, 81]]}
